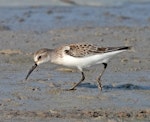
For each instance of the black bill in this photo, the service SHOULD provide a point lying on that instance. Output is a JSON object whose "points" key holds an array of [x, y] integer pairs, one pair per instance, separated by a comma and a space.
{"points": [[31, 70]]}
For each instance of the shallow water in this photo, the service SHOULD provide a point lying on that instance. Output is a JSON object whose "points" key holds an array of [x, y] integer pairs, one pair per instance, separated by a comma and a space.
{"points": [[44, 18]]}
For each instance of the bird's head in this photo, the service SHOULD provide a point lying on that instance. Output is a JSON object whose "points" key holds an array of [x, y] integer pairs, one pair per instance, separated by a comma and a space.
{"points": [[41, 56]]}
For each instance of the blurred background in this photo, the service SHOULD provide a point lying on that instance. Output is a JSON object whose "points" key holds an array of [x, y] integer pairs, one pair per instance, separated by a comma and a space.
{"points": [[18, 3], [43, 15]]}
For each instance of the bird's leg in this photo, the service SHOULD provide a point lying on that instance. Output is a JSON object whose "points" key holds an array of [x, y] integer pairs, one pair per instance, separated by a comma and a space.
{"points": [[82, 79], [99, 78]]}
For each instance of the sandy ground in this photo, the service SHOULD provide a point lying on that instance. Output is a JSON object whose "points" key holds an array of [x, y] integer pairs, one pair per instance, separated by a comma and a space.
{"points": [[126, 83]]}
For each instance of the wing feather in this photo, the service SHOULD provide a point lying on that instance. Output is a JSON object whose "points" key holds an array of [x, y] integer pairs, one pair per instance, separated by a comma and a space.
{"points": [[84, 49]]}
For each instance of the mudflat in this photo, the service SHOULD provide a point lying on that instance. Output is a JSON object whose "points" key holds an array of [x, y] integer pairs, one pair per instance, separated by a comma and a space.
{"points": [[126, 82]]}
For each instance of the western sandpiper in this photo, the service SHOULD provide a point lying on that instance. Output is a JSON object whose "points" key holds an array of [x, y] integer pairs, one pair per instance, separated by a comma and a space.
{"points": [[79, 55]]}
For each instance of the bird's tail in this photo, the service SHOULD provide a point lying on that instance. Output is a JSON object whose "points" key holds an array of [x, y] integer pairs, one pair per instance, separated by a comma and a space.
{"points": [[124, 48]]}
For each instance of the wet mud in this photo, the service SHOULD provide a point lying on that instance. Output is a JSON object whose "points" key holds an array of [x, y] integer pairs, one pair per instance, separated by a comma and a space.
{"points": [[126, 83]]}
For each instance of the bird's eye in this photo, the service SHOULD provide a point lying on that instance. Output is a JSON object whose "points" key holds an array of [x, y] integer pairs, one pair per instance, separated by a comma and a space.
{"points": [[39, 57]]}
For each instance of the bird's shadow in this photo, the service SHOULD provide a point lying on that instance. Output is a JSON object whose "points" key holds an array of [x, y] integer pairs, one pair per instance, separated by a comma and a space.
{"points": [[127, 86]]}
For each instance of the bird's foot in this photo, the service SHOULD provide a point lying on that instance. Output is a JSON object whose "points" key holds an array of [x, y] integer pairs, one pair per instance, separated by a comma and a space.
{"points": [[100, 88], [71, 89], [99, 84]]}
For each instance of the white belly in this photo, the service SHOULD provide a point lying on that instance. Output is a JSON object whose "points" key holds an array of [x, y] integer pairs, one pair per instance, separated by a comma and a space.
{"points": [[83, 62]]}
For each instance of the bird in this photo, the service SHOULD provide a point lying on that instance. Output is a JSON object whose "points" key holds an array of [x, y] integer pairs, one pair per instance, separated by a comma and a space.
{"points": [[79, 56]]}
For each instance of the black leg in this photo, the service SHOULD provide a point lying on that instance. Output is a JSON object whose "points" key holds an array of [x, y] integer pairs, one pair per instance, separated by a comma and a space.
{"points": [[99, 78], [82, 79]]}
